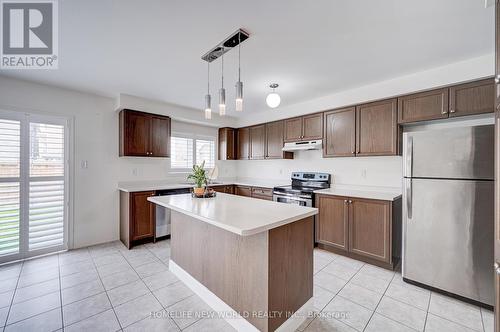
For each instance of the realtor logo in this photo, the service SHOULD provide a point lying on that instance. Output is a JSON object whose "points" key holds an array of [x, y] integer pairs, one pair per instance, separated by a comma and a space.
{"points": [[29, 34]]}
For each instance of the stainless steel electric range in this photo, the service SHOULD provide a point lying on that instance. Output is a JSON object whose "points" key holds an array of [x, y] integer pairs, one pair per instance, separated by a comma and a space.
{"points": [[301, 192]]}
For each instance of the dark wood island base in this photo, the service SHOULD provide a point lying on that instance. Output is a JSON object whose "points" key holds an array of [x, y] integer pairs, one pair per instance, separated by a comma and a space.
{"points": [[264, 277]]}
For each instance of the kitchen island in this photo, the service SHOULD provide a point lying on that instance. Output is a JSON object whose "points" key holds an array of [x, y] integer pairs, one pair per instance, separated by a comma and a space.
{"points": [[251, 260]]}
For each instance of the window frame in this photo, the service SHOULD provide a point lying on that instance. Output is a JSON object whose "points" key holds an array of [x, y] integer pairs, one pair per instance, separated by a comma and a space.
{"points": [[194, 137]]}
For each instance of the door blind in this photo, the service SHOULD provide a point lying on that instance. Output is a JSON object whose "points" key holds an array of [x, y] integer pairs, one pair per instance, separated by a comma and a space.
{"points": [[46, 188], [10, 148]]}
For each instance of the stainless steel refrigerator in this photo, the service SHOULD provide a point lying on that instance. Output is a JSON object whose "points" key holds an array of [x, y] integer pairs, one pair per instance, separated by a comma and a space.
{"points": [[448, 206]]}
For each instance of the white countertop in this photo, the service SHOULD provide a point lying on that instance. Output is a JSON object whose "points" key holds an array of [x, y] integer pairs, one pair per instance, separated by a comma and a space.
{"points": [[237, 214], [382, 193], [135, 186]]}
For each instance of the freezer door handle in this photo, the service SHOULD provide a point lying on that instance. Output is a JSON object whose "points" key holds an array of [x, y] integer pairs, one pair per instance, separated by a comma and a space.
{"points": [[408, 198], [409, 157]]}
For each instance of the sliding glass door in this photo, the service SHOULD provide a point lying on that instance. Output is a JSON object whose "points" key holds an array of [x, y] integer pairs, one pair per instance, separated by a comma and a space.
{"points": [[33, 185]]}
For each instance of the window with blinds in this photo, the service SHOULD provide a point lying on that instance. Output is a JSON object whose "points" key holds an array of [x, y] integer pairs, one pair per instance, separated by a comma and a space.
{"points": [[187, 152], [32, 185], [182, 152], [205, 151]]}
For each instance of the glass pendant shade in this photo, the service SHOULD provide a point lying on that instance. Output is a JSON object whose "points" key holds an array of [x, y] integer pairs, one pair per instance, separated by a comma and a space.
{"points": [[239, 96], [273, 100], [222, 102], [208, 107]]}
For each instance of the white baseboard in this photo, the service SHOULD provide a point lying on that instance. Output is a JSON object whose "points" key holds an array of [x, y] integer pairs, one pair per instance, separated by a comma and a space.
{"points": [[230, 315]]}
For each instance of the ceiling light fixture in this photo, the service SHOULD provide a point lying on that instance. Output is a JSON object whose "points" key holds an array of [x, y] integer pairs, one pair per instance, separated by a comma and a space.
{"points": [[273, 99], [222, 91], [235, 39], [239, 84], [208, 98]]}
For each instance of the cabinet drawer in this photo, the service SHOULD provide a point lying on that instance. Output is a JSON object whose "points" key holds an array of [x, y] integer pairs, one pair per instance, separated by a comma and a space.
{"points": [[262, 192], [243, 191]]}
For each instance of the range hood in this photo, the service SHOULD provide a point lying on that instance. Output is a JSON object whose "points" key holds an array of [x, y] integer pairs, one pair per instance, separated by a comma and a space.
{"points": [[304, 145]]}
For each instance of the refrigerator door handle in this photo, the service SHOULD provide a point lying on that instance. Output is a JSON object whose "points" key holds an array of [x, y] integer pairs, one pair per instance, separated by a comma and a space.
{"points": [[408, 198], [409, 157]]}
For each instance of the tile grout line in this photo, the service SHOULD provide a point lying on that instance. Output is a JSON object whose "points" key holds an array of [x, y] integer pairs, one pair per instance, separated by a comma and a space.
{"points": [[165, 308], [60, 293], [427, 311], [375, 310], [13, 295], [335, 294], [106, 292]]}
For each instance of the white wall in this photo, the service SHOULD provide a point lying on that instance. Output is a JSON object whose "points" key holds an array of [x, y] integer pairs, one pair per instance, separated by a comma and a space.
{"points": [[95, 213], [470, 69], [373, 171]]}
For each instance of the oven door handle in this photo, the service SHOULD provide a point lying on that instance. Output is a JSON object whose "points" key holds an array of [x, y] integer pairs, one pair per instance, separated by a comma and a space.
{"points": [[290, 195], [292, 198]]}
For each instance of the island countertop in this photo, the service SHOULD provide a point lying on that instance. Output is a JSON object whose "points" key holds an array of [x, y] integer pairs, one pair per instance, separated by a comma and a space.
{"points": [[237, 214]]}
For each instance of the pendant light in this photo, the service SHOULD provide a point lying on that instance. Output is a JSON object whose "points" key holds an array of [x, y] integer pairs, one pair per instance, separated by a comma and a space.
{"points": [[239, 84], [273, 99], [208, 98], [222, 91]]}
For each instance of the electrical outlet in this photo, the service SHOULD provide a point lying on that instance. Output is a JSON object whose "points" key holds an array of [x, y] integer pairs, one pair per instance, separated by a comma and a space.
{"points": [[84, 164], [134, 172], [363, 174]]}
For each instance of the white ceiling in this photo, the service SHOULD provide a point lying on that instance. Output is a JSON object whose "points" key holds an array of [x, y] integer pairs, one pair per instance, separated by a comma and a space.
{"points": [[152, 48]]}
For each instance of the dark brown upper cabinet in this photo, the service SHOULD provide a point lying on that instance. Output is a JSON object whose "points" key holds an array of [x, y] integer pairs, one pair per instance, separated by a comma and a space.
{"points": [[293, 130], [377, 128], [227, 144], [275, 132], [340, 133], [144, 134], [429, 105], [243, 139], [472, 98], [258, 142], [304, 128], [312, 126]]}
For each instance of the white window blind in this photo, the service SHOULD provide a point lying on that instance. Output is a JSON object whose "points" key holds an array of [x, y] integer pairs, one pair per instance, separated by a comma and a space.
{"points": [[205, 151], [10, 168], [188, 151], [182, 152]]}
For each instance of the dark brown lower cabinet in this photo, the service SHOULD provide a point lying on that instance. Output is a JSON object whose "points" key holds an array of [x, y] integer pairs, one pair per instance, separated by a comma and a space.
{"points": [[370, 228], [227, 189], [243, 191], [364, 229], [262, 193], [331, 222], [137, 217]]}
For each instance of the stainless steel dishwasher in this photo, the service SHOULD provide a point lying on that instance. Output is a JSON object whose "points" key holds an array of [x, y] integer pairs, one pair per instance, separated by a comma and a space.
{"points": [[163, 214]]}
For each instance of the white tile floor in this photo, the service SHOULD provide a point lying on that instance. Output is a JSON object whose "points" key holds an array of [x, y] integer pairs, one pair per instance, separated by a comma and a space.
{"points": [[110, 288]]}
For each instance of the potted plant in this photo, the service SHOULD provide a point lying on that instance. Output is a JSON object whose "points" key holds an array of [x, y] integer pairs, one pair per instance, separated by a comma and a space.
{"points": [[199, 176]]}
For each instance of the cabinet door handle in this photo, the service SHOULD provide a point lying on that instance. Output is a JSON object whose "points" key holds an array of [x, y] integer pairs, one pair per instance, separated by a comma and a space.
{"points": [[444, 112], [352, 152], [497, 79], [345, 201], [350, 202], [452, 111], [497, 268]]}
